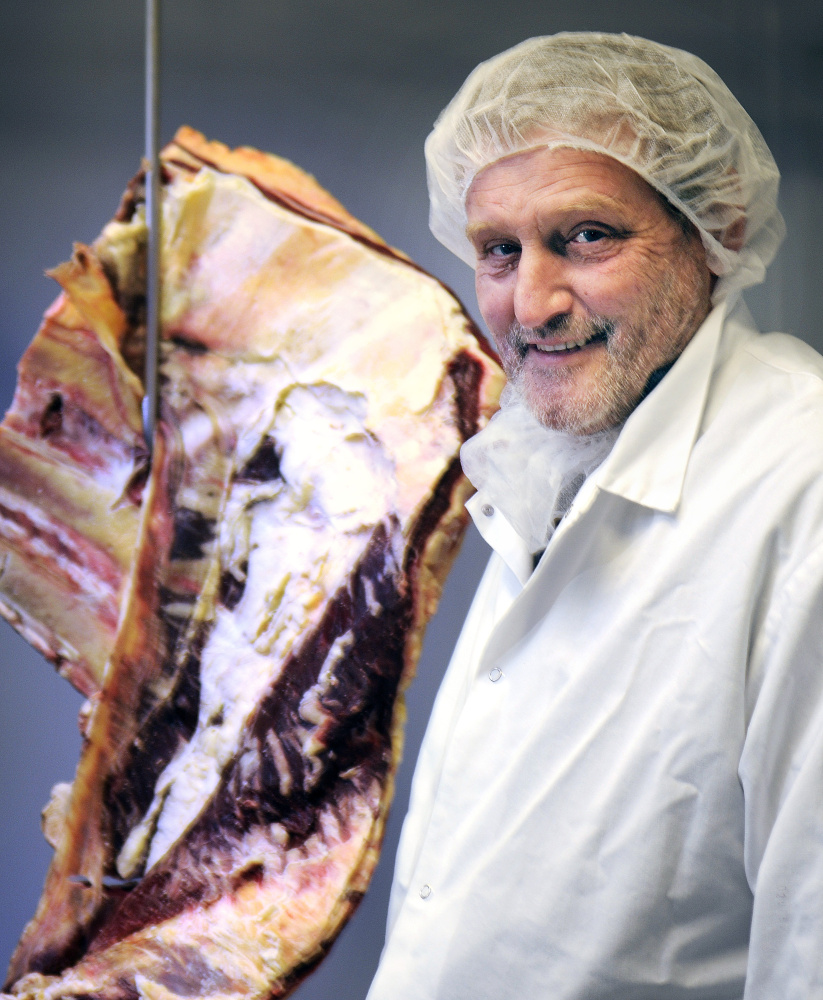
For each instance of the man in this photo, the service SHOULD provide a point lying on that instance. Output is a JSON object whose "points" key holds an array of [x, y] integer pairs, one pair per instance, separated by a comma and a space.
{"points": [[620, 794]]}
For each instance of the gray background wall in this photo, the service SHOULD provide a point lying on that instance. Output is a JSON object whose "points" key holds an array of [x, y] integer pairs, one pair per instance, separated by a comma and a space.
{"points": [[348, 89]]}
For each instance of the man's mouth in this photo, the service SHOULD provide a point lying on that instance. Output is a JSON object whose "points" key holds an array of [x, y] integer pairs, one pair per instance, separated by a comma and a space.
{"points": [[566, 346]]}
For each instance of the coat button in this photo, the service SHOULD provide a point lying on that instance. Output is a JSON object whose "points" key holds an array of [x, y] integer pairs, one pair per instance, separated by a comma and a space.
{"points": [[425, 891], [495, 674], [487, 509]]}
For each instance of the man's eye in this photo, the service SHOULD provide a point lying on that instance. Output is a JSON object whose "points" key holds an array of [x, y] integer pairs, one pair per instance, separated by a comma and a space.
{"points": [[503, 249], [588, 236]]}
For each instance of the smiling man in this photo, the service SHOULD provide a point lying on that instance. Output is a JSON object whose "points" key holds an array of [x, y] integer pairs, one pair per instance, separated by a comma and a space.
{"points": [[587, 282], [620, 793]]}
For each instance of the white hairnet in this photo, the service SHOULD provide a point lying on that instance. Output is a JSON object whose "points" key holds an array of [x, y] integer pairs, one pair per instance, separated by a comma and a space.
{"points": [[661, 111]]}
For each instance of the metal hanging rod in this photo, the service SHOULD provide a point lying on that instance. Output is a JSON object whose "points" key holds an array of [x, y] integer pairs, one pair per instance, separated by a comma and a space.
{"points": [[152, 170]]}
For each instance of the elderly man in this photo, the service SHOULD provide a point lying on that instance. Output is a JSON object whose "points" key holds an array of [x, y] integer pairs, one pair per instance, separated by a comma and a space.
{"points": [[620, 793]]}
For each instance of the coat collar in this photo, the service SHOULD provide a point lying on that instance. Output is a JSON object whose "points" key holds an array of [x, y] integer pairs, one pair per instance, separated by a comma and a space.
{"points": [[648, 462]]}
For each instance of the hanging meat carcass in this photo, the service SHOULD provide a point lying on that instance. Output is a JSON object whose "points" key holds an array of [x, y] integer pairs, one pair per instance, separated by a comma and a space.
{"points": [[245, 618]]}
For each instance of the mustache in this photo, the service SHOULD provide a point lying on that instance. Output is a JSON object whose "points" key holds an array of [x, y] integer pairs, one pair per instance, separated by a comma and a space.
{"points": [[573, 327]]}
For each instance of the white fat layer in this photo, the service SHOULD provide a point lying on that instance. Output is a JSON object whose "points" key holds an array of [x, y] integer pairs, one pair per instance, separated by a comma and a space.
{"points": [[225, 242], [291, 542], [300, 536]]}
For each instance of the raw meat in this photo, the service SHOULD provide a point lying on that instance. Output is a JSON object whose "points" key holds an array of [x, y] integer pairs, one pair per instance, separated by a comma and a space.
{"points": [[245, 618]]}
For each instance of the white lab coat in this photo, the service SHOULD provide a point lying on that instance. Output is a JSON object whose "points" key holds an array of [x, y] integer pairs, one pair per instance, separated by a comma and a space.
{"points": [[620, 792]]}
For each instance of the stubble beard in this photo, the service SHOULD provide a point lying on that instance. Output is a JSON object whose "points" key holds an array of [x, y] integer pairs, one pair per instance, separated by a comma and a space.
{"points": [[575, 401]]}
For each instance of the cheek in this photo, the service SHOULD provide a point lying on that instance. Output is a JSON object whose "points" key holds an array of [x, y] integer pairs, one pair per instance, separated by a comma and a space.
{"points": [[496, 304], [614, 291]]}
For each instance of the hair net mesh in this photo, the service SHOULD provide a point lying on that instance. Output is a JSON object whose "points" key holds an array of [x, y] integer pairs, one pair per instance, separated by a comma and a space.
{"points": [[661, 111]]}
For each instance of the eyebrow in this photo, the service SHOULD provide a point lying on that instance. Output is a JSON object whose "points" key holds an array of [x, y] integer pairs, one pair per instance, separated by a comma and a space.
{"points": [[478, 229], [593, 205]]}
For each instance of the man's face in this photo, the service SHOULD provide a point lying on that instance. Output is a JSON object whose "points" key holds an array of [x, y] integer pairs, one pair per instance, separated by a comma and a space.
{"points": [[586, 281]]}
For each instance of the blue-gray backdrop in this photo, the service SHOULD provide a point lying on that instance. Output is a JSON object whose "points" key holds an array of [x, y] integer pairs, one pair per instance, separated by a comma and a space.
{"points": [[348, 89]]}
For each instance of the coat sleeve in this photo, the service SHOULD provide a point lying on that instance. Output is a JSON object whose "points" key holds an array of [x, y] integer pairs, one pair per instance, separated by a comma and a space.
{"points": [[781, 771]]}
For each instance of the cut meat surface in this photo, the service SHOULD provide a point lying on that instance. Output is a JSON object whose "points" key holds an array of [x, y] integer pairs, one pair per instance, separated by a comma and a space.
{"points": [[245, 618]]}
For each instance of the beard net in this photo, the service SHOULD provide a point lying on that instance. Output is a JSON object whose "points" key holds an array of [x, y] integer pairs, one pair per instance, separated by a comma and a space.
{"points": [[660, 111], [531, 472]]}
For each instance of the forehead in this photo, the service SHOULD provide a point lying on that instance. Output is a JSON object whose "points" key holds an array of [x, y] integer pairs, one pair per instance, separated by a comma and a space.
{"points": [[558, 178]]}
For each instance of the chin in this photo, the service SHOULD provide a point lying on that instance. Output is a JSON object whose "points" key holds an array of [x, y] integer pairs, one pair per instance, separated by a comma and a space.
{"points": [[577, 409]]}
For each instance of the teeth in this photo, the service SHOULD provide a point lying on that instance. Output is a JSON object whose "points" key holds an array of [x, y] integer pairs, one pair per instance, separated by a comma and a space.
{"points": [[550, 349]]}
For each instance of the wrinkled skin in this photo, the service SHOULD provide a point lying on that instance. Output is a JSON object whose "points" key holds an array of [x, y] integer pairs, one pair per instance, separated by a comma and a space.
{"points": [[588, 283]]}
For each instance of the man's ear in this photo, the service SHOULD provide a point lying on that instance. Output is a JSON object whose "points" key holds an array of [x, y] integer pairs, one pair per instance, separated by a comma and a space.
{"points": [[735, 236]]}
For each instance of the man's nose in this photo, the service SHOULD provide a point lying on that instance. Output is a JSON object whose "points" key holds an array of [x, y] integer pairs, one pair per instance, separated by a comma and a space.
{"points": [[542, 288]]}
